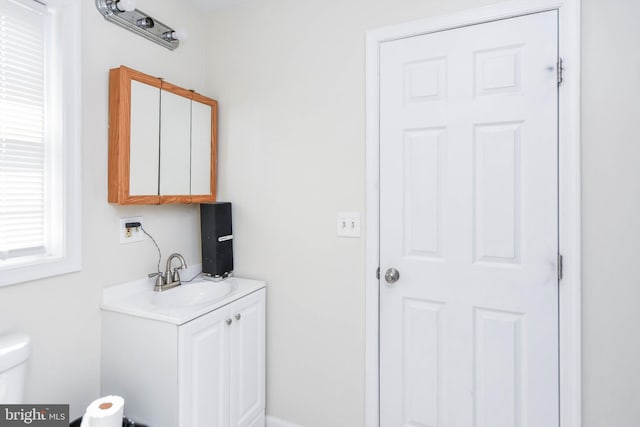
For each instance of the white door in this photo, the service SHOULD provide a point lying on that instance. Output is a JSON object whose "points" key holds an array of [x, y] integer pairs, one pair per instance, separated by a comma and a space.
{"points": [[468, 214]]}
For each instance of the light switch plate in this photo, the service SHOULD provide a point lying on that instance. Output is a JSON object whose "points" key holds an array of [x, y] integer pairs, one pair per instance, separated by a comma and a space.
{"points": [[348, 224]]}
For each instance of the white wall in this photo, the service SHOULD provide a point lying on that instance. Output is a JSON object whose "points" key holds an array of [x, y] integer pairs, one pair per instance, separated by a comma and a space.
{"points": [[61, 314], [611, 199]]}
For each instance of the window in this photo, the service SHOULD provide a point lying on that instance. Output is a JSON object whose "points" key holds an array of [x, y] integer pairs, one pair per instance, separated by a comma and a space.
{"points": [[39, 139]]}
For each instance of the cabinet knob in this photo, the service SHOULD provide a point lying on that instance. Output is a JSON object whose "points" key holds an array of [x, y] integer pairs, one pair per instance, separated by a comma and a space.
{"points": [[238, 316], [229, 321]]}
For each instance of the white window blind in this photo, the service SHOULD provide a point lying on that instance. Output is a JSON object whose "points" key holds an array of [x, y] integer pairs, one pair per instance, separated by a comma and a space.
{"points": [[23, 163]]}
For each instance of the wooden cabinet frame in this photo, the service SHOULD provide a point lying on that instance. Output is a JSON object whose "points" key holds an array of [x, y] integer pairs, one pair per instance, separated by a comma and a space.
{"points": [[120, 139]]}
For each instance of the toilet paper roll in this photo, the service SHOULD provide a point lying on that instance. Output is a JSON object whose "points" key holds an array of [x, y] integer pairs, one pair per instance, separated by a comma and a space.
{"points": [[104, 412]]}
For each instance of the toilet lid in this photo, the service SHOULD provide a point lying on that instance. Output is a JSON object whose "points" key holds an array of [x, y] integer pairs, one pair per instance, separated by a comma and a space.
{"points": [[14, 350]]}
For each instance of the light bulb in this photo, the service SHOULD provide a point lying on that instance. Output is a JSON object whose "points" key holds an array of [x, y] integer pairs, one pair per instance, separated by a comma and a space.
{"points": [[126, 5], [181, 34]]}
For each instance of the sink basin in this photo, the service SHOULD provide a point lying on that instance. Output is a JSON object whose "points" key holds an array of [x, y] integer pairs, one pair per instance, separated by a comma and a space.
{"points": [[193, 294], [177, 305]]}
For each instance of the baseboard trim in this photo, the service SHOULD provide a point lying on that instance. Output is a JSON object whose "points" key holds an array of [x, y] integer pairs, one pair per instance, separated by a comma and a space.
{"points": [[277, 422]]}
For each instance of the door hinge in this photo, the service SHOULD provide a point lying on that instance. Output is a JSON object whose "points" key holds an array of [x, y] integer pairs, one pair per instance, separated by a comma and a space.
{"points": [[560, 267], [560, 70], [378, 273]]}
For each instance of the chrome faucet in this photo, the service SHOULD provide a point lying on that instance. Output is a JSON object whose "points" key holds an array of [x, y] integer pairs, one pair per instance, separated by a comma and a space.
{"points": [[169, 279], [174, 277]]}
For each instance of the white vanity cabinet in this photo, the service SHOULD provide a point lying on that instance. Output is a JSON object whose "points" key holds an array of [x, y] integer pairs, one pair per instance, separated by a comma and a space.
{"points": [[206, 372], [221, 367]]}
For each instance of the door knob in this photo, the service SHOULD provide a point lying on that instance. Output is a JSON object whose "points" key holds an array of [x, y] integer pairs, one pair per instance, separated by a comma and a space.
{"points": [[229, 321], [391, 276]]}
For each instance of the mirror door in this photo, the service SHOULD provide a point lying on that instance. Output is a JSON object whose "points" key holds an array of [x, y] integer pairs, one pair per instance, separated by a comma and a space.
{"points": [[203, 112], [175, 141], [144, 151]]}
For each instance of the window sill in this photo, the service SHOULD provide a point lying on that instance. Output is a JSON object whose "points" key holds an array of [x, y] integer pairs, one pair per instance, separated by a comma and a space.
{"points": [[34, 267]]}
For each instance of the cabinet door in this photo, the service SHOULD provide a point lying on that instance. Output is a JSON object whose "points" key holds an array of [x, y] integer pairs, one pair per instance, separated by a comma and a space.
{"points": [[144, 149], [175, 141], [203, 374], [203, 156], [247, 359], [134, 101]]}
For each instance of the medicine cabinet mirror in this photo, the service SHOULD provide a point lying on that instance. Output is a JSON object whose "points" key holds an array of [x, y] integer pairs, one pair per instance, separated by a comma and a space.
{"points": [[162, 141]]}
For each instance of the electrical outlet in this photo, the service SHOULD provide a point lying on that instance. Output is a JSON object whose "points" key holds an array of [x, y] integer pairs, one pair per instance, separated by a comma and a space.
{"points": [[131, 234], [348, 224]]}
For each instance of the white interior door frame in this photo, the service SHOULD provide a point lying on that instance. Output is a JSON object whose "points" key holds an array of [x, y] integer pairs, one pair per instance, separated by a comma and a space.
{"points": [[569, 190]]}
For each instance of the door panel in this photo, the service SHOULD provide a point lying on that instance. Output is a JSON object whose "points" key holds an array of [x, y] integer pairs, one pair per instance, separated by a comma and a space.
{"points": [[424, 167], [468, 214], [498, 371], [423, 358]]}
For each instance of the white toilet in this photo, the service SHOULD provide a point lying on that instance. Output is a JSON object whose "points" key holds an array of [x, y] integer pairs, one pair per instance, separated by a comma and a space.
{"points": [[14, 352]]}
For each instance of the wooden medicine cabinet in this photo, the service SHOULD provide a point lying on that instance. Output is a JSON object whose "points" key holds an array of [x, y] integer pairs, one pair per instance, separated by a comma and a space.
{"points": [[162, 141]]}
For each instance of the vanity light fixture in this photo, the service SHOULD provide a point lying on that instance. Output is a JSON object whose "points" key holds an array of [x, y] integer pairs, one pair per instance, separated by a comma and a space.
{"points": [[125, 14]]}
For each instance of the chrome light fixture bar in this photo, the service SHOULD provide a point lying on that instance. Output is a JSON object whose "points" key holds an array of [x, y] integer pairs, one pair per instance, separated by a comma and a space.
{"points": [[124, 14]]}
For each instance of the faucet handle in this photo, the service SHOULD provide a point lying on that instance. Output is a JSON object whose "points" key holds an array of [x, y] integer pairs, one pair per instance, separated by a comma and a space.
{"points": [[160, 280], [176, 275]]}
